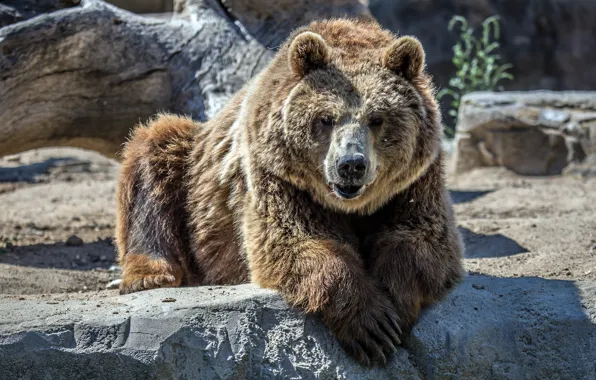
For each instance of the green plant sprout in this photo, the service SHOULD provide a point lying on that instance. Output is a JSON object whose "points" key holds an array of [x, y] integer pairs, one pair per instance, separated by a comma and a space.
{"points": [[476, 62]]}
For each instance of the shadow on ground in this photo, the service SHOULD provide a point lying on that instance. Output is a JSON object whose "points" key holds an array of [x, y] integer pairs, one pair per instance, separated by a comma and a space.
{"points": [[484, 246], [88, 256], [467, 196], [32, 172]]}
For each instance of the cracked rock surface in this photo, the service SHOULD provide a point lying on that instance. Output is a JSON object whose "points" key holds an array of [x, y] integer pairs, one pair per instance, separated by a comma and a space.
{"points": [[529, 133], [488, 328]]}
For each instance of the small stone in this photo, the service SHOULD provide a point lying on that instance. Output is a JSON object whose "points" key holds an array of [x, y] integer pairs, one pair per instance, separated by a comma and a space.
{"points": [[114, 312], [169, 299], [21, 298], [552, 118], [74, 241], [115, 268], [478, 287], [114, 284]]}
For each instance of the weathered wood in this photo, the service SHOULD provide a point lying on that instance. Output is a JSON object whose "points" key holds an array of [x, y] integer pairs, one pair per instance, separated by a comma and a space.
{"points": [[83, 76]]}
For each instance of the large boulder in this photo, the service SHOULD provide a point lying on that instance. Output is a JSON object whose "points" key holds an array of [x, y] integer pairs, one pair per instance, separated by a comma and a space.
{"points": [[549, 42], [530, 133], [488, 328]]}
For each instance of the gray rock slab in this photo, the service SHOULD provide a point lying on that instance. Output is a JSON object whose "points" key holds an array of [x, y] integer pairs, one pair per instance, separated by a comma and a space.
{"points": [[488, 328], [530, 133]]}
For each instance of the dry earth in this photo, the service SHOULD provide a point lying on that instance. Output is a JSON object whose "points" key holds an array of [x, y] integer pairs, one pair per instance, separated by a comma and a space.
{"points": [[513, 226]]}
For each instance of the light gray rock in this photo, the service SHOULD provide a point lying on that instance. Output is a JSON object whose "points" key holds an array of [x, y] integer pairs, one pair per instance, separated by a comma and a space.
{"points": [[531, 133], [488, 328]]}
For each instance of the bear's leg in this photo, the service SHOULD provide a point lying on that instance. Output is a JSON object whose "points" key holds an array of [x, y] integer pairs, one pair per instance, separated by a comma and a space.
{"points": [[151, 221], [296, 248], [417, 257]]}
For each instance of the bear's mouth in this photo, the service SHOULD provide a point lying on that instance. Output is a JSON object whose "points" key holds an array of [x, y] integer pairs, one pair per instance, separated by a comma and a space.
{"points": [[347, 192]]}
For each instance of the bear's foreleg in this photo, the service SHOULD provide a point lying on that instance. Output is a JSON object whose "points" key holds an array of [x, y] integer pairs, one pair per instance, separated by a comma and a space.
{"points": [[417, 256], [151, 224], [294, 247]]}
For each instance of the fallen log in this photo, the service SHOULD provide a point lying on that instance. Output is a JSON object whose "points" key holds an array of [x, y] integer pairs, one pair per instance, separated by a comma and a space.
{"points": [[83, 74]]}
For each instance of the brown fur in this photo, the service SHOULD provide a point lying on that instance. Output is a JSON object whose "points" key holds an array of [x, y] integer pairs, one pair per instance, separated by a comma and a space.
{"points": [[247, 197]]}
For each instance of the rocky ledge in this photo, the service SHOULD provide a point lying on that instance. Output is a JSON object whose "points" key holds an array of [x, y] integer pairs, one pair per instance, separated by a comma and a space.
{"points": [[488, 328], [530, 133]]}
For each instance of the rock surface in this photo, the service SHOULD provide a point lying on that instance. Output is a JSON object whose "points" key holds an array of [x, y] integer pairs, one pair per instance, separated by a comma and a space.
{"points": [[488, 328], [530, 133], [144, 6]]}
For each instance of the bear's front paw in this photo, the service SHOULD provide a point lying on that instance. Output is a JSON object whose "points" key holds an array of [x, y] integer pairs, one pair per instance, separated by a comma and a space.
{"points": [[370, 334], [142, 272], [135, 284]]}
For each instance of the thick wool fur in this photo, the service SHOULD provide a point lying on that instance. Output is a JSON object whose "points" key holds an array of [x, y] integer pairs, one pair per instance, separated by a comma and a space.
{"points": [[245, 196]]}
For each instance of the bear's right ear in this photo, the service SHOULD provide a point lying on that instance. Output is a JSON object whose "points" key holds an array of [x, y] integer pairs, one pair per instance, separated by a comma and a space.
{"points": [[308, 51]]}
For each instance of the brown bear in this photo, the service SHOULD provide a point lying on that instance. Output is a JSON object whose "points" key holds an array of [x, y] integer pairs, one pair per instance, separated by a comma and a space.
{"points": [[322, 179]]}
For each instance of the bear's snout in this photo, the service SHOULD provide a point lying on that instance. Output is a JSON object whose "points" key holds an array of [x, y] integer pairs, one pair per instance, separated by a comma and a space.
{"points": [[352, 167]]}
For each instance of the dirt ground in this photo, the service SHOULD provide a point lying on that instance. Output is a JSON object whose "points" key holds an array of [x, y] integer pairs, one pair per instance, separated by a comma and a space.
{"points": [[512, 225]]}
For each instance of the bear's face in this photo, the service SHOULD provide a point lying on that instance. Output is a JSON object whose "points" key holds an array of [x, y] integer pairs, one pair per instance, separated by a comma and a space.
{"points": [[360, 127], [354, 128]]}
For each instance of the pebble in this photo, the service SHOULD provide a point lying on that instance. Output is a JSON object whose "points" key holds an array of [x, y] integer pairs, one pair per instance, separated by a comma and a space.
{"points": [[74, 241]]}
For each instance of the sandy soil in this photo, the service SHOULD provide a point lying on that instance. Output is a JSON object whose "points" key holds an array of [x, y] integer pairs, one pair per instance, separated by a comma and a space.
{"points": [[513, 226]]}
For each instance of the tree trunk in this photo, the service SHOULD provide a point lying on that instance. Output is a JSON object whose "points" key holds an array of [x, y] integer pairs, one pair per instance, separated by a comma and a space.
{"points": [[85, 73]]}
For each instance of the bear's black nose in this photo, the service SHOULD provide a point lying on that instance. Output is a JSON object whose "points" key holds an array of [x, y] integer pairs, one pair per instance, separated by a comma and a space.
{"points": [[352, 167]]}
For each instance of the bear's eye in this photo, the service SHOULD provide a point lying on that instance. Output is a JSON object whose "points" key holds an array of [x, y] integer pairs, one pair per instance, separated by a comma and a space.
{"points": [[327, 120], [375, 121]]}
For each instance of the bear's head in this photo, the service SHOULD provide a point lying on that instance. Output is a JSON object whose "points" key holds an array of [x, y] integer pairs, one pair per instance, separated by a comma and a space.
{"points": [[347, 113]]}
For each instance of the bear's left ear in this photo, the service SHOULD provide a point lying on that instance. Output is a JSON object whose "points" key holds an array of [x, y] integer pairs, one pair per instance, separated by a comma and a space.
{"points": [[405, 56], [308, 51]]}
